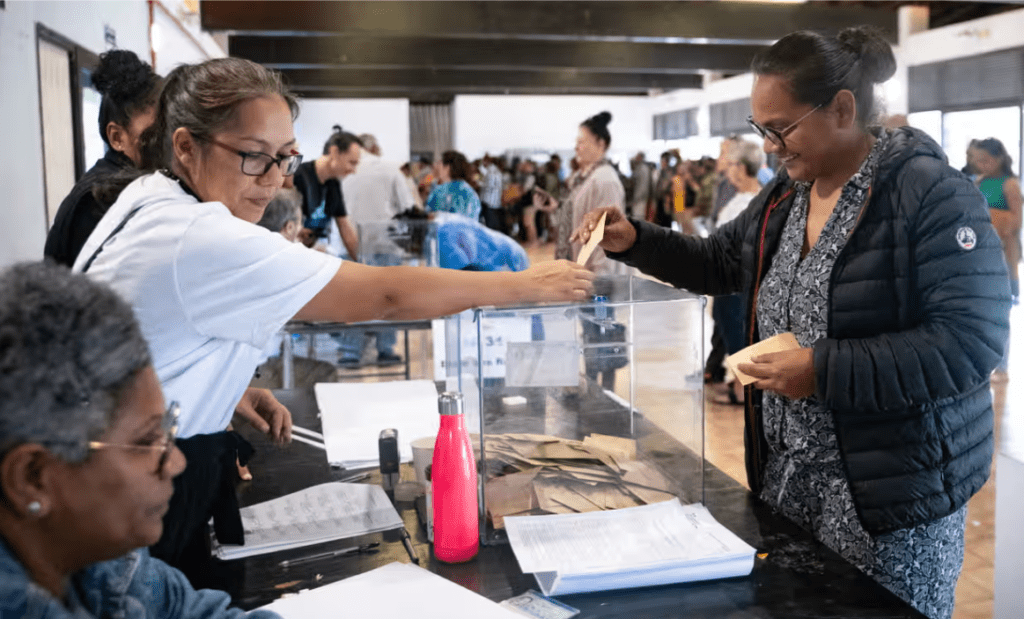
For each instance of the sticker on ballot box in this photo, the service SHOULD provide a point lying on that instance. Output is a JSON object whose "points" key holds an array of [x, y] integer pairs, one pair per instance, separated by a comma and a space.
{"points": [[533, 604], [496, 332]]}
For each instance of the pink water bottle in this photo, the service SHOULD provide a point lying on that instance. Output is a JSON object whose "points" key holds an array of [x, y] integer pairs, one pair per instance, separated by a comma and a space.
{"points": [[453, 475]]}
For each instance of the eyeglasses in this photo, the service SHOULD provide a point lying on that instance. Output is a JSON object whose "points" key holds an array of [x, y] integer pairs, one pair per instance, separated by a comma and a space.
{"points": [[258, 164], [170, 428], [778, 137]]}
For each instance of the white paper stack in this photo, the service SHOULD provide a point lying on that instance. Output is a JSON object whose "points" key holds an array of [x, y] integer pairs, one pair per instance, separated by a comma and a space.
{"points": [[395, 591], [315, 515], [353, 414], [658, 544]]}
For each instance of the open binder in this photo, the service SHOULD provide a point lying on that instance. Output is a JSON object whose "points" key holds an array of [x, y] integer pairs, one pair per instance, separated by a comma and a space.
{"points": [[316, 515]]}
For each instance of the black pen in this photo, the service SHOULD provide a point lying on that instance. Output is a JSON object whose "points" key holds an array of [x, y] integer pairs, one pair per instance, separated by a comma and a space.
{"points": [[408, 546], [353, 550]]}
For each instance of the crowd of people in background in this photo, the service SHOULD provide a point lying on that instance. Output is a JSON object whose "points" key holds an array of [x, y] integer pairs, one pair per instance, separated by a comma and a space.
{"points": [[686, 192]]}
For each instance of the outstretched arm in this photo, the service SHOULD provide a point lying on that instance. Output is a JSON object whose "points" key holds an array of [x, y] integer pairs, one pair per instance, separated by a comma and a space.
{"points": [[359, 292]]}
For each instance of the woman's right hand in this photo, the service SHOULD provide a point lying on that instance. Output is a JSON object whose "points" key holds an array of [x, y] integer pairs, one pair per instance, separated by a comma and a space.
{"points": [[619, 233], [556, 280], [544, 200]]}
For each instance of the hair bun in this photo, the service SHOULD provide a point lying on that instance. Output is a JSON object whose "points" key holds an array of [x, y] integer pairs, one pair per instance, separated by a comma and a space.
{"points": [[122, 75], [603, 118], [336, 129], [875, 53]]}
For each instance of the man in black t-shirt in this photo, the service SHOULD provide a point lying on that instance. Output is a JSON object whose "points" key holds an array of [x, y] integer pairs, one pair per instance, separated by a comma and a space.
{"points": [[319, 183]]}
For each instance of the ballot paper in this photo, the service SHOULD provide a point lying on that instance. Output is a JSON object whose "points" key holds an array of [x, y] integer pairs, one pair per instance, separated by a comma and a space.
{"points": [[548, 474], [315, 515], [394, 591], [778, 343], [353, 414], [659, 544], [595, 237]]}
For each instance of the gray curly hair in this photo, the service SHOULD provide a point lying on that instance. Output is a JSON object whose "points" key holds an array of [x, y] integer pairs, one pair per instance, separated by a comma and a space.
{"points": [[69, 347]]}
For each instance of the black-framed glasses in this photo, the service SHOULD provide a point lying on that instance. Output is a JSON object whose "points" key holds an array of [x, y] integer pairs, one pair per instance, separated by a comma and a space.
{"points": [[778, 136], [258, 164], [170, 429]]}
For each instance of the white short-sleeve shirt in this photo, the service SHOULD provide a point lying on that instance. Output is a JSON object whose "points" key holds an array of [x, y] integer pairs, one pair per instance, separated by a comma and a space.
{"points": [[209, 290]]}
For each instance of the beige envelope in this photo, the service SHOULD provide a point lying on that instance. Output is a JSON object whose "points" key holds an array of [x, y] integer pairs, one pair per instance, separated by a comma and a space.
{"points": [[782, 341]]}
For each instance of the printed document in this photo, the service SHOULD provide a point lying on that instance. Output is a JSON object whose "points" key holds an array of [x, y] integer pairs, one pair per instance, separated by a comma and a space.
{"points": [[394, 591], [353, 414], [657, 544]]}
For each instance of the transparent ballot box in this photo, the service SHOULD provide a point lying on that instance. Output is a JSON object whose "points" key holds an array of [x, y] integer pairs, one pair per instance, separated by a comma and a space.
{"points": [[582, 407], [399, 242]]}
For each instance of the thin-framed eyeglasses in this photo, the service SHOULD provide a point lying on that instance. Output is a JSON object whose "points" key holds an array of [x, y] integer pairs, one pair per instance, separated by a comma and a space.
{"points": [[258, 164], [170, 429], [778, 136]]}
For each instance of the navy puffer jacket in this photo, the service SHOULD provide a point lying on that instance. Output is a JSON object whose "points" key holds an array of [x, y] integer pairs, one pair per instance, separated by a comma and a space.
{"points": [[918, 318]]}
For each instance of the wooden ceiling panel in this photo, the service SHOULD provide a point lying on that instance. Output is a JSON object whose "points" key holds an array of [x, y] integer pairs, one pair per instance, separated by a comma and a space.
{"points": [[669, 21], [433, 50]]}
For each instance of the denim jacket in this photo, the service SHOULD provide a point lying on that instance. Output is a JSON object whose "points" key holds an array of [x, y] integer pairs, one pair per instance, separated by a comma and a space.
{"points": [[134, 586]]}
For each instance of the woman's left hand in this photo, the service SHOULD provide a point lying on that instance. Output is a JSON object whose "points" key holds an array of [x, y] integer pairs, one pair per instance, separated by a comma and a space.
{"points": [[789, 372], [261, 409]]}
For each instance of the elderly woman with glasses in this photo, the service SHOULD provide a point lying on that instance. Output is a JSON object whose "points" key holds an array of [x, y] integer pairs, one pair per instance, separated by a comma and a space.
{"points": [[87, 457], [881, 260]]}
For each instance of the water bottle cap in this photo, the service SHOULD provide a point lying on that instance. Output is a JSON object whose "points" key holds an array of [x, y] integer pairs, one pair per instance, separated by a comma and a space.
{"points": [[449, 403], [600, 298]]}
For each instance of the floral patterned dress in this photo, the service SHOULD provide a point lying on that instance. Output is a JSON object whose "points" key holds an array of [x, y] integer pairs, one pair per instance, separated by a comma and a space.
{"points": [[804, 476]]}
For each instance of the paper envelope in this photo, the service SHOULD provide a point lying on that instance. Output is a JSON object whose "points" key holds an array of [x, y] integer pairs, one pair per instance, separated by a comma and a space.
{"points": [[595, 238], [782, 341]]}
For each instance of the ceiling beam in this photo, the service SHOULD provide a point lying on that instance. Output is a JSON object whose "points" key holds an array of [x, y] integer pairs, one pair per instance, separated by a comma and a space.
{"points": [[446, 95], [420, 52], [668, 22], [461, 80]]}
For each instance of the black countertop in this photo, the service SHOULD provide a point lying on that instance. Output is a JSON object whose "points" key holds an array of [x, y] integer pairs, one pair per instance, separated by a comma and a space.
{"points": [[799, 577]]}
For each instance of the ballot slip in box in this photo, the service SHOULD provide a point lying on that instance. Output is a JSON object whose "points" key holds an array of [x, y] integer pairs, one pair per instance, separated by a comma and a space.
{"points": [[582, 407], [659, 544]]}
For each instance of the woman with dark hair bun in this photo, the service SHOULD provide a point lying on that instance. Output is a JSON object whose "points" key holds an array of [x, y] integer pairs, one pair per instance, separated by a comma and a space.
{"points": [[881, 260], [130, 89], [594, 185], [453, 193]]}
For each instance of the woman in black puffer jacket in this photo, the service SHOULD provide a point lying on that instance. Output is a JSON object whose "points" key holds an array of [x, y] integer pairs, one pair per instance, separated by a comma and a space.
{"points": [[881, 259]]}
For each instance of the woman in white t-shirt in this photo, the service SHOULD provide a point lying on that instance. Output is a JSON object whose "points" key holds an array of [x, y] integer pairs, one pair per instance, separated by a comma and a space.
{"points": [[211, 288]]}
